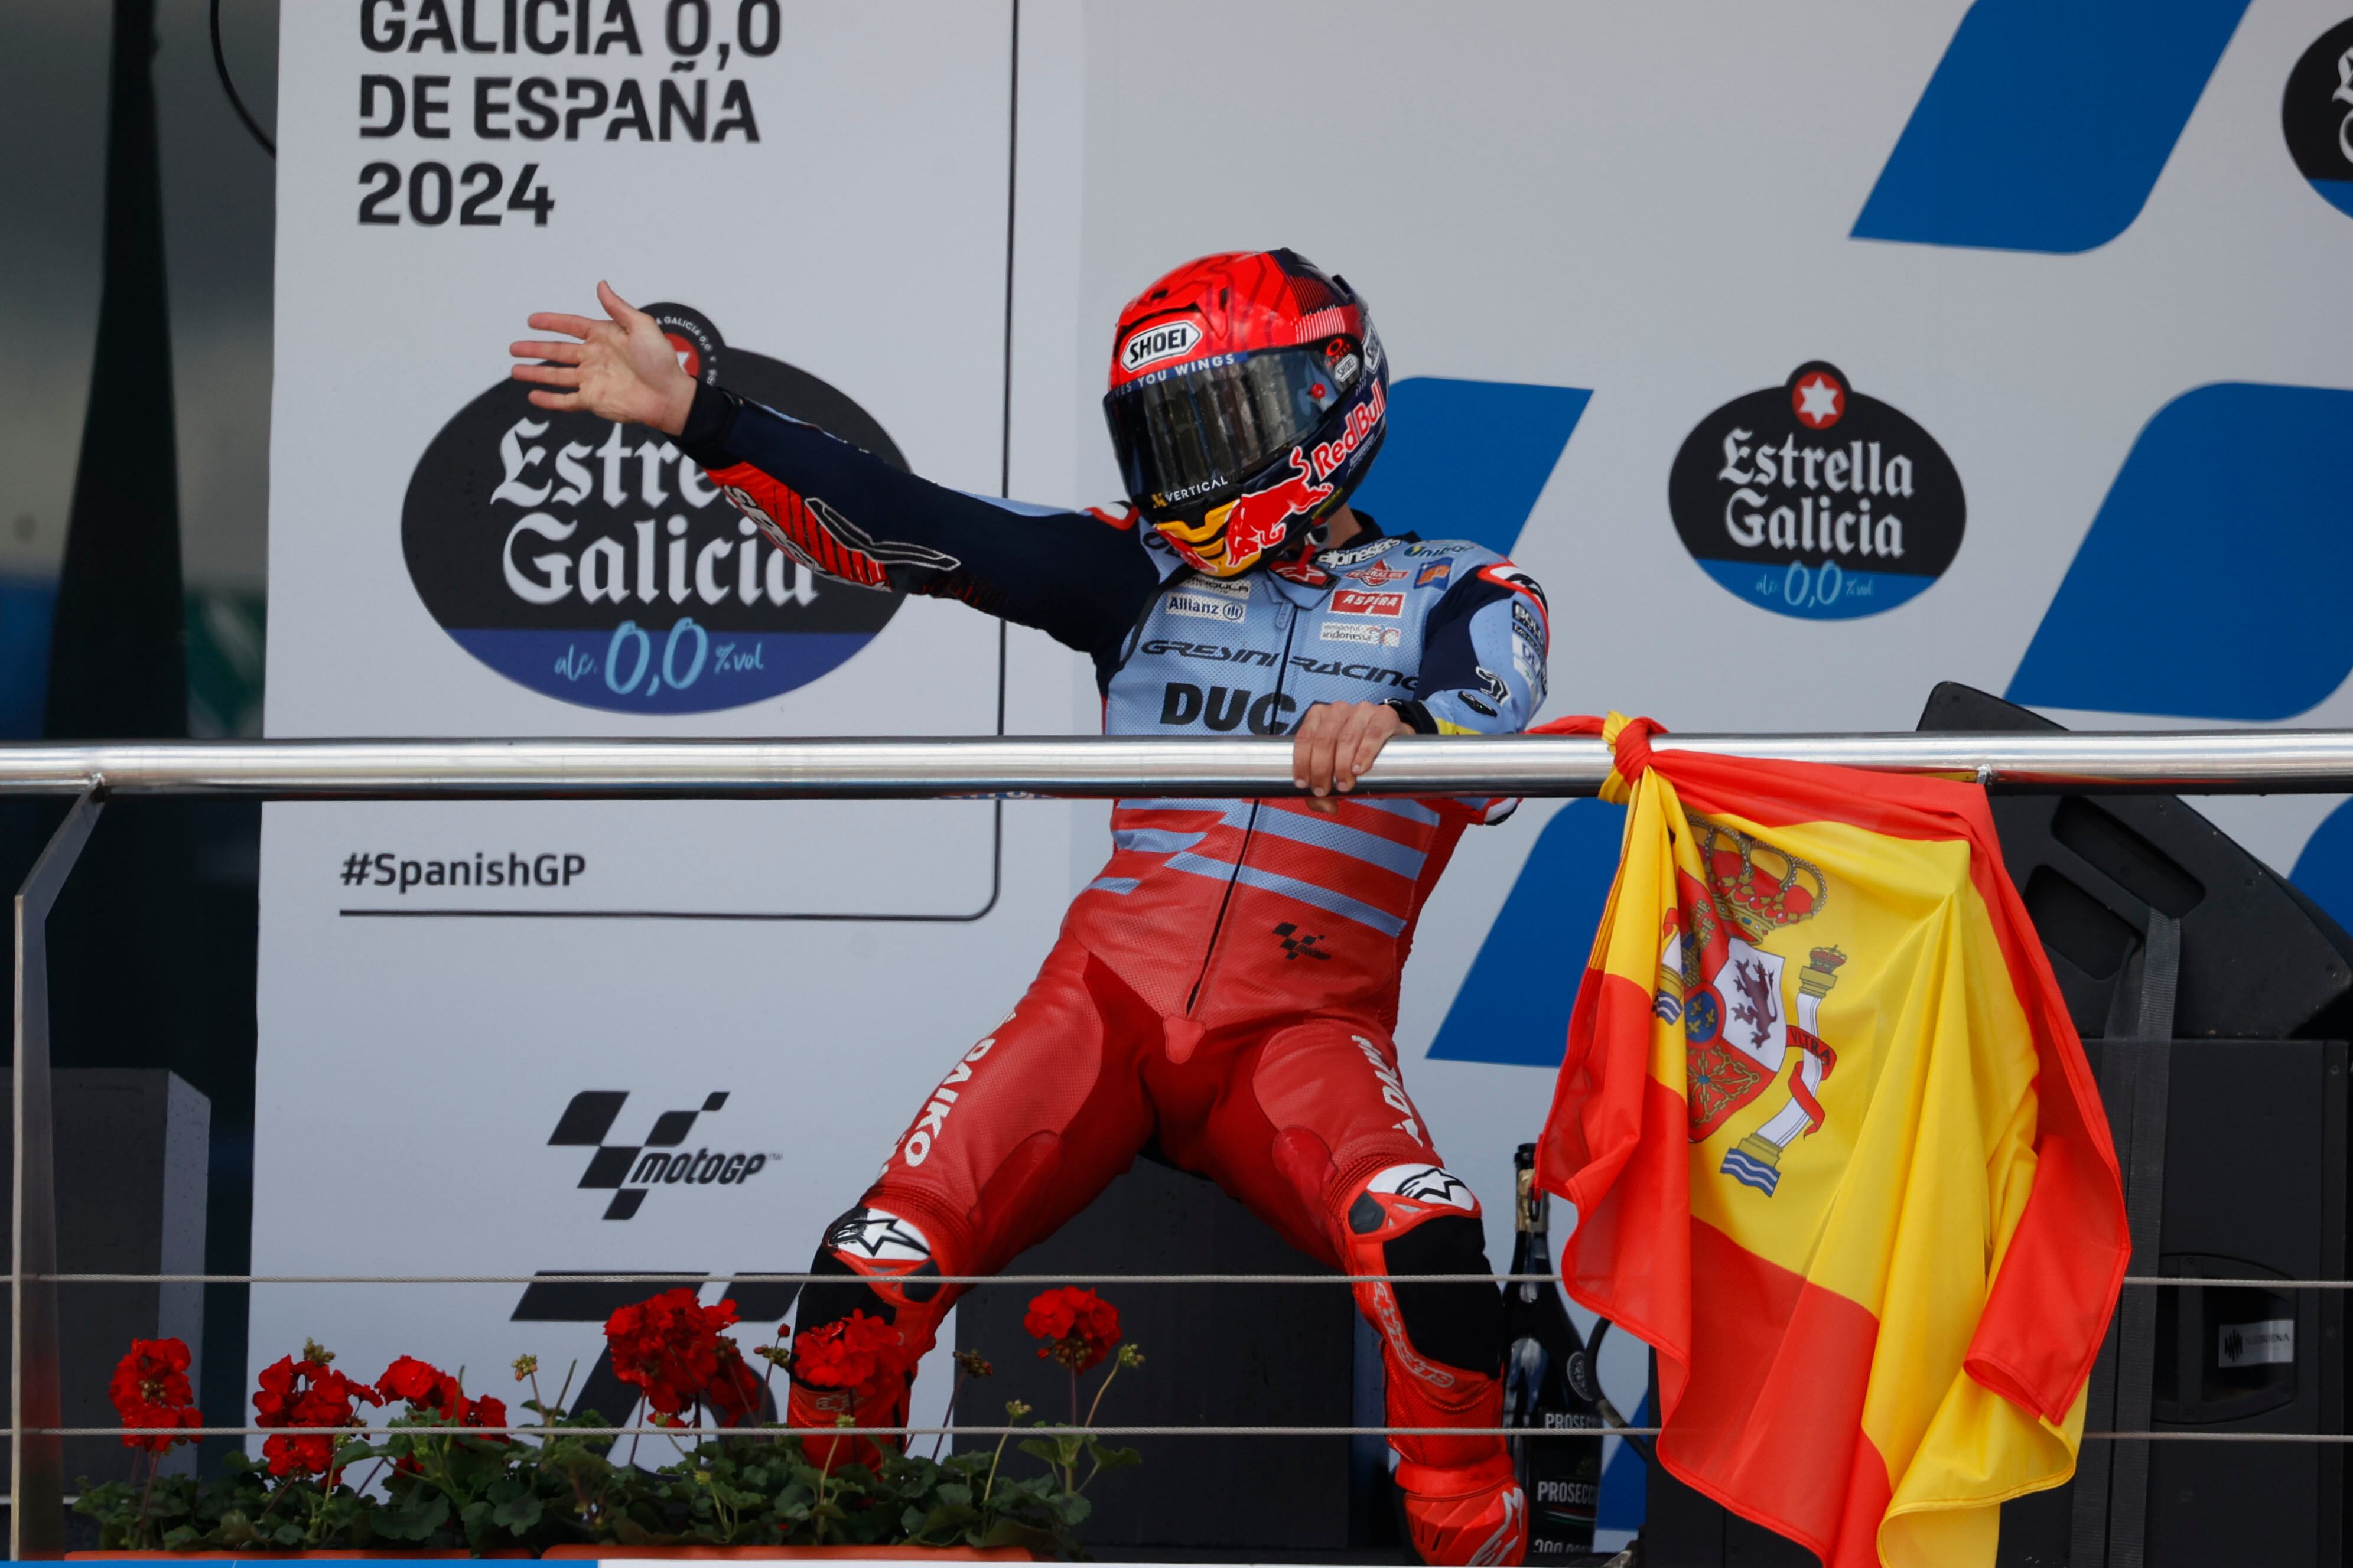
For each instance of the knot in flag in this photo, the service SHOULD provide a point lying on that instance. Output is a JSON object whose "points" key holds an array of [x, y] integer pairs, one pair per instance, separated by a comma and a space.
{"points": [[1628, 741]]}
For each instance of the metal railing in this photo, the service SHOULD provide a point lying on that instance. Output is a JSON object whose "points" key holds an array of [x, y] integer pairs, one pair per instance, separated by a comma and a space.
{"points": [[2172, 762]]}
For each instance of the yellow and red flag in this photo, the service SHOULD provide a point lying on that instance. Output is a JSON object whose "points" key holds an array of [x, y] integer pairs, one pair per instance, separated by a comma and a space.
{"points": [[1835, 1153]]}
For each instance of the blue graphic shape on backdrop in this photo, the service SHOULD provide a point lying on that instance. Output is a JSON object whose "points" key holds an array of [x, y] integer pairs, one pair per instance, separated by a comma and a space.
{"points": [[1825, 593], [2325, 870], [27, 605], [1466, 459], [1625, 1489], [2046, 125], [1514, 1005], [2211, 585]]}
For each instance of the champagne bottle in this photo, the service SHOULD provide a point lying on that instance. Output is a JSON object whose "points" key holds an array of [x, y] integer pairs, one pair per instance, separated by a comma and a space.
{"points": [[1548, 1387]]}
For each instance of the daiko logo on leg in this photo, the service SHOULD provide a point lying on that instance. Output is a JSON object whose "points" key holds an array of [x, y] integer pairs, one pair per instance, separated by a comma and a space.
{"points": [[630, 1171]]}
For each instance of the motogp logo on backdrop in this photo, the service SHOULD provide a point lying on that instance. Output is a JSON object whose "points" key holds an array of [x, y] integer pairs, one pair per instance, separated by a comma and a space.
{"points": [[2317, 114], [1812, 499], [592, 562], [662, 1158]]}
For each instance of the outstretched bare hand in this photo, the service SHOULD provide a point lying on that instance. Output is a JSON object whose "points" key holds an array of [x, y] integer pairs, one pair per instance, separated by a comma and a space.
{"points": [[624, 369]]}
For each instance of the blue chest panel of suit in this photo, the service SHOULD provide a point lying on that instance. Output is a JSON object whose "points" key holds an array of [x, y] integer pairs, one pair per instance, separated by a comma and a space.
{"points": [[1248, 656]]}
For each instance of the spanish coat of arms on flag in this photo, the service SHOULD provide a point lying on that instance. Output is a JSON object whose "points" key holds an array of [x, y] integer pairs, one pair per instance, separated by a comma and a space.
{"points": [[1835, 1153]]}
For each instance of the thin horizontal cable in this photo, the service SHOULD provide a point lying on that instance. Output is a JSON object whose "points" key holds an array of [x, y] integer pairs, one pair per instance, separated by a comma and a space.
{"points": [[676, 1277], [341, 1432]]}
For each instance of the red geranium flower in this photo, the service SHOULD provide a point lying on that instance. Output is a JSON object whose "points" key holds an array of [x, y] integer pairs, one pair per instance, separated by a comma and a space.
{"points": [[856, 1352], [733, 1392], [428, 1387], [421, 1384], [150, 1388], [673, 1347], [1078, 1328], [311, 1393]]}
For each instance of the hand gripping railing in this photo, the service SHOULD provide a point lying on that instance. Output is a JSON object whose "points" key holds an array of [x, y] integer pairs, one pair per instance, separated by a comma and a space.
{"points": [[2205, 762]]}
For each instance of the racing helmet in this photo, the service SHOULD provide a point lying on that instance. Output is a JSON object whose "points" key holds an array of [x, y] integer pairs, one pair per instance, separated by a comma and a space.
{"points": [[1248, 396]]}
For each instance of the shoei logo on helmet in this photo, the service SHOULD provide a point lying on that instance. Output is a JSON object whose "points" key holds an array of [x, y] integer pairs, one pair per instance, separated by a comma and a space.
{"points": [[1158, 342], [592, 562]]}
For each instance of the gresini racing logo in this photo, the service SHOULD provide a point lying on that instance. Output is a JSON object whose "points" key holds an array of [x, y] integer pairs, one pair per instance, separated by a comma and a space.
{"points": [[593, 563], [1814, 499], [660, 1159]]}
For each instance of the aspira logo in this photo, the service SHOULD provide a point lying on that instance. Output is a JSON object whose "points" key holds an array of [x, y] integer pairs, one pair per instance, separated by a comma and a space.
{"points": [[593, 563], [661, 1159], [1157, 344], [1812, 499], [2317, 114]]}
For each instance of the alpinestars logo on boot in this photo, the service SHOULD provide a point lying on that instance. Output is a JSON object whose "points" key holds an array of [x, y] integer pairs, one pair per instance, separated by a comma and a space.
{"points": [[628, 1171]]}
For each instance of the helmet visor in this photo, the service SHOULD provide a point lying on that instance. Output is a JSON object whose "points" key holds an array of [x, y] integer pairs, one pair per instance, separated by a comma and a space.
{"points": [[1194, 430]]}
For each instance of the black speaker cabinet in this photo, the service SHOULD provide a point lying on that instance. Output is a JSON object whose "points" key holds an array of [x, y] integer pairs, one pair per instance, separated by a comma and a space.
{"points": [[1216, 1355], [2254, 1188], [2259, 960]]}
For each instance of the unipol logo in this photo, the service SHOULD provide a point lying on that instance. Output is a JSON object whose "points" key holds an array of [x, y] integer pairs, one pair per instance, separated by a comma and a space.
{"points": [[1155, 344], [593, 563], [1810, 498]]}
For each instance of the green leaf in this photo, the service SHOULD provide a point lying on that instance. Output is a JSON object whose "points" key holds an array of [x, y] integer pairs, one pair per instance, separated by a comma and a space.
{"points": [[413, 1517], [1109, 1458]]}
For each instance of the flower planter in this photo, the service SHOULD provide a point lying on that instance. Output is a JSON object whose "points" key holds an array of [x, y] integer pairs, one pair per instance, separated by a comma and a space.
{"points": [[410, 1555], [748, 1553]]}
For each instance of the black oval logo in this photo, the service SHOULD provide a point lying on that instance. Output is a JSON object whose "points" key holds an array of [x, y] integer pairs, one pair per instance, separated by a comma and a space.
{"points": [[2317, 114], [1812, 499], [589, 561]]}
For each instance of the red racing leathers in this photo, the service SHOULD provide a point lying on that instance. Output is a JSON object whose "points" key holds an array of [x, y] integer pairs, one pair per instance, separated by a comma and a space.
{"points": [[1226, 987]]}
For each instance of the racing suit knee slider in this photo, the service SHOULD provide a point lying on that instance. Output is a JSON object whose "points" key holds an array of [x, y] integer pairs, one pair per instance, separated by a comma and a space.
{"points": [[881, 1264]]}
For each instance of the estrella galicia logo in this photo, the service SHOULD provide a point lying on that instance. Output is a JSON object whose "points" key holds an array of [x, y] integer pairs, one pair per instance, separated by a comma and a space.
{"points": [[1812, 499], [2317, 113], [591, 562], [630, 1171]]}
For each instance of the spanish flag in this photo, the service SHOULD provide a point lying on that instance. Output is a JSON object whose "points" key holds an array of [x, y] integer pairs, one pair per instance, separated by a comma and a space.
{"points": [[1835, 1152]]}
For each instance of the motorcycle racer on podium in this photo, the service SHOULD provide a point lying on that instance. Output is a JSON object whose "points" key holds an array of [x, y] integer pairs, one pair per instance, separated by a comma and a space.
{"points": [[1226, 988]]}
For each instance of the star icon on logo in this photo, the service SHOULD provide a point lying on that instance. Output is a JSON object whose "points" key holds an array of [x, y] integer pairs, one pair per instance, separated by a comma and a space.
{"points": [[1818, 401]]}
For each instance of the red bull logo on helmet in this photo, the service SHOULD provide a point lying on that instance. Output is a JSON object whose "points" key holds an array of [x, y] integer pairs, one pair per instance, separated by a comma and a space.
{"points": [[1251, 525], [1363, 420]]}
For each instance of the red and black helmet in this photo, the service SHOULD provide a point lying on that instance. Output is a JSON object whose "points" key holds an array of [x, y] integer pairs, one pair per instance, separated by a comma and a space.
{"points": [[1248, 396]]}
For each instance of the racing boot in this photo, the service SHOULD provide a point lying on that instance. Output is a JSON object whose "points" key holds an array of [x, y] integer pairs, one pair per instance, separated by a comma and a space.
{"points": [[1443, 1348], [886, 1270]]}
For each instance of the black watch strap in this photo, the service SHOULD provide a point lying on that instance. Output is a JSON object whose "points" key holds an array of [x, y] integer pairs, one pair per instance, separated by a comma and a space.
{"points": [[1415, 715]]}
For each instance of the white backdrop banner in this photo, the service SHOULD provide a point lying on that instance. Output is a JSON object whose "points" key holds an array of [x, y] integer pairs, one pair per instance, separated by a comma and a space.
{"points": [[1808, 356]]}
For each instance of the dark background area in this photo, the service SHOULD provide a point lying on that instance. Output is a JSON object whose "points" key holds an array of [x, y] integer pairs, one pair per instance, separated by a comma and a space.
{"points": [[134, 428]]}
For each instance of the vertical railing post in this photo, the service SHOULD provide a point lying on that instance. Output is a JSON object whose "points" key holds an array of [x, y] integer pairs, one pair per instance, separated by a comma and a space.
{"points": [[37, 1457]]}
